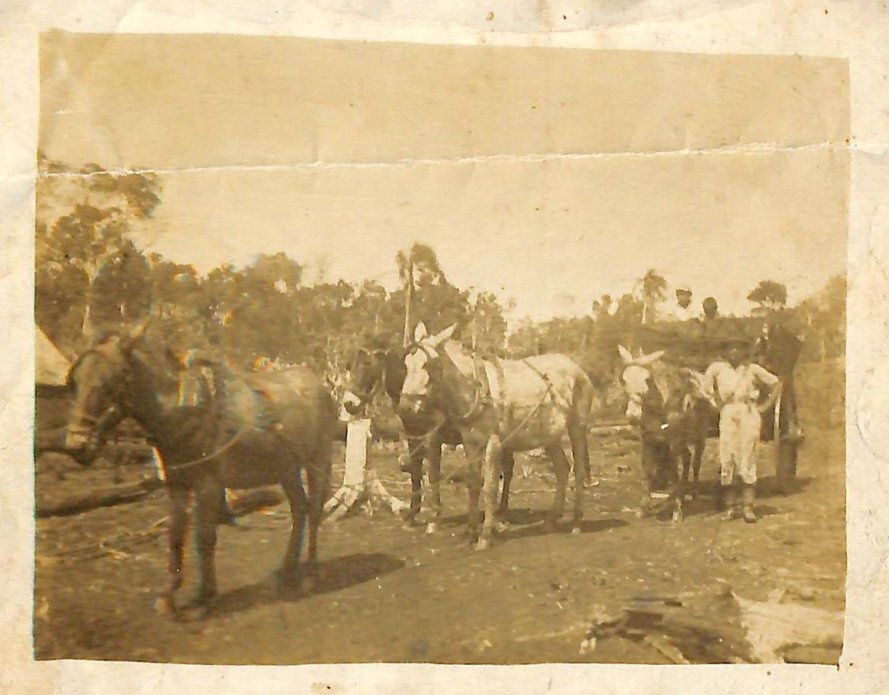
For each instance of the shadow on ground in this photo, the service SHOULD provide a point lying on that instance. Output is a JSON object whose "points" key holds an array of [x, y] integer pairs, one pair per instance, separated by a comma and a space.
{"points": [[334, 575]]}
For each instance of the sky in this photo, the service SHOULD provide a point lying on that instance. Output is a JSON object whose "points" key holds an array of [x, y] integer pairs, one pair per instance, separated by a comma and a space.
{"points": [[546, 176]]}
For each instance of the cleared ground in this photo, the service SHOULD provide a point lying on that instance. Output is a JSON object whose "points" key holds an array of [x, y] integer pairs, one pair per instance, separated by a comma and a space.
{"points": [[393, 593]]}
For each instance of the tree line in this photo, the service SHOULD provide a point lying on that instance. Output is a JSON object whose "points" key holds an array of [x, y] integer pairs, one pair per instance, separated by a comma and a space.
{"points": [[91, 277]]}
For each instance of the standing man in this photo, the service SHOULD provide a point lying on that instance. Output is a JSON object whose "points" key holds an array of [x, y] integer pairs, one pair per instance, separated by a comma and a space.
{"points": [[683, 309], [734, 387], [711, 309], [779, 349]]}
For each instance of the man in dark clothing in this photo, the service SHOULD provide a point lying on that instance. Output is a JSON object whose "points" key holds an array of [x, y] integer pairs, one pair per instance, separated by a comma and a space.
{"points": [[779, 349]]}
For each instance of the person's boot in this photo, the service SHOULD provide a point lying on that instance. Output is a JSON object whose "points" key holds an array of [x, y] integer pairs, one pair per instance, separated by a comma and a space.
{"points": [[749, 495], [730, 500]]}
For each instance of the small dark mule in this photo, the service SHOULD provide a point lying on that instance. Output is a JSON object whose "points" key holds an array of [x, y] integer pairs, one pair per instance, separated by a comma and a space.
{"points": [[669, 406], [500, 405], [383, 369], [241, 432]]}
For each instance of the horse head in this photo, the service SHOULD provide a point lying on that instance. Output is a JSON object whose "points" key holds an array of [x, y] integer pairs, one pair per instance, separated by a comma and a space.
{"points": [[422, 363], [637, 379], [99, 379]]}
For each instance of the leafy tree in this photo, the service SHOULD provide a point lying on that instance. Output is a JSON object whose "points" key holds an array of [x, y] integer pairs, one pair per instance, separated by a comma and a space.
{"points": [[768, 295], [83, 221], [825, 321]]}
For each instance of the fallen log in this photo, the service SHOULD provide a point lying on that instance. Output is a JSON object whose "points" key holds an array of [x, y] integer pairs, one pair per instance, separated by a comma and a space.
{"points": [[63, 505], [240, 502], [786, 631], [721, 627]]}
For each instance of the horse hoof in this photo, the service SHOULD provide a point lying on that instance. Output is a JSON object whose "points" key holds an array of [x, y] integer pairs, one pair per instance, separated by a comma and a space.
{"points": [[482, 544], [575, 531], [409, 517], [311, 582], [431, 527], [165, 606], [677, 517], [503, 526]]}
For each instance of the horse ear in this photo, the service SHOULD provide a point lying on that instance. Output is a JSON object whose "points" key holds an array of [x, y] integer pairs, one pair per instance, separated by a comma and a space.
{"points": [[625, 354], [646, 360], [444, 336], [420, 332], [126, 342]]}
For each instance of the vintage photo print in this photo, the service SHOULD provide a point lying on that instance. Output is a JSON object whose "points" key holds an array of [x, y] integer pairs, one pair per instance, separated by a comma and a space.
{"points": [[353, 352]]}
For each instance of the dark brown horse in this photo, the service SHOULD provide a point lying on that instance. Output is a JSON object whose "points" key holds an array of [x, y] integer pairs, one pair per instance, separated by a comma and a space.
{"points": [[237, 432], [383, 369], [669, 406], [499, 405]]}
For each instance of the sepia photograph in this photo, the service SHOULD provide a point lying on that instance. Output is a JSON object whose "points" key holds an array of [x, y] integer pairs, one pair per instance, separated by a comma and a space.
{"points": [[360, 352]]}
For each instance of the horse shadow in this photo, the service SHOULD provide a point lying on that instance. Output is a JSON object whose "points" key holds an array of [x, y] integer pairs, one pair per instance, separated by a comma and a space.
{"points": [[561, 528], [333, 575], [516, 517], [528, 523]]}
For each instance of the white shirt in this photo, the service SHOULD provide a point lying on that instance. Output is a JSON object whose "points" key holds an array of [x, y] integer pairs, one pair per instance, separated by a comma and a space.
{"points": [[682, 313], [736, 384]]}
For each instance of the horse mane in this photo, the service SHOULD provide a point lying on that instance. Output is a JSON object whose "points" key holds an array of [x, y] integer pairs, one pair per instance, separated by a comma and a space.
{"points": [[672, 380], [394, 373]]}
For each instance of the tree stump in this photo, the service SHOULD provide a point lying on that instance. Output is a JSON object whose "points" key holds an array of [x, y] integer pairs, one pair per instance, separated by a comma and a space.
{"points": [[360, 484]]}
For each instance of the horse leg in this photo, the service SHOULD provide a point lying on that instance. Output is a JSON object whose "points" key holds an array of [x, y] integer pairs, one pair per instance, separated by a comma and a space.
{"points": [[433, 456], [696, 463], [319, 482], [207, 498], [678, 486], [507, 467], [178, 510], [581, 454], [288, 577], [416, 470], [491, 469], [649, 460], [474, 455], [686, 467], [561, 467]]}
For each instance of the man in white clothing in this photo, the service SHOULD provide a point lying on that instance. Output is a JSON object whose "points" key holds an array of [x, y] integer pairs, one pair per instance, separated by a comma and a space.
{"points": [[734, 388], [683, 310]]}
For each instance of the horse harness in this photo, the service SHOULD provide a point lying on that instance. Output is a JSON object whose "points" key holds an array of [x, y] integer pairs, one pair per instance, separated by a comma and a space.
{"points": [[483, 394], [214, 412]]}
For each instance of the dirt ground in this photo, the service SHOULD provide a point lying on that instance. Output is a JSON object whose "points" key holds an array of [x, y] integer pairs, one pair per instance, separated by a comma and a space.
{"points": [[394, 593]]}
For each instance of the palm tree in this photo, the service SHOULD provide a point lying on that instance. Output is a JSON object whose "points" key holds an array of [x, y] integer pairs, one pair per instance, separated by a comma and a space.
{"points": [[651, 289], [419, 259]]}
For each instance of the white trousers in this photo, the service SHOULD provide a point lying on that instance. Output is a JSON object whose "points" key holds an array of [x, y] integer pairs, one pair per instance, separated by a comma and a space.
{"points": [[739, 431]]}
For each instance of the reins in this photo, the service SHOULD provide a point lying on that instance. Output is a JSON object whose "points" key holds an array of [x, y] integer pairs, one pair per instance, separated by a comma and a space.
{"points": [[212, 411], [208, 457]]}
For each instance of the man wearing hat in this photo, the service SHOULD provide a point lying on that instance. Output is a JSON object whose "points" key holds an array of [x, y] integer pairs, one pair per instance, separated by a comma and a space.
{"points": [[734, 389], [683, 310]]}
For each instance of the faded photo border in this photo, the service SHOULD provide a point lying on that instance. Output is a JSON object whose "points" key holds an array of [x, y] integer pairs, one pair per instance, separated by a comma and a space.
{"points": [[854, 31]]}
